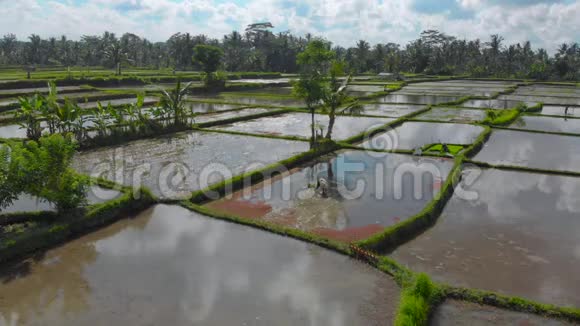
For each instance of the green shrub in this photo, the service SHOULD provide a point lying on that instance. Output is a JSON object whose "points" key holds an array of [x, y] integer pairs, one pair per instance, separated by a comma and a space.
{"points": [[42, 169], [501, 117]]}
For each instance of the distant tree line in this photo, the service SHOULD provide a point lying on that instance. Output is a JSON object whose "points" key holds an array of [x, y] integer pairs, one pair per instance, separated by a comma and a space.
{"points": [[258, 49]]}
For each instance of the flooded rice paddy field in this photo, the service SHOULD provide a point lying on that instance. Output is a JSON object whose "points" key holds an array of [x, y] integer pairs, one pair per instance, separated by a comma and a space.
{"points": [[22, 91], [201, 107], [90, 105], [500, 104], [518, 239], [365, 194], [27, 203], [250, 100], [544, 90], [511, 232], [400, 97], [391, 110], [412, 135], [172, 166], [172, 266], [542, 99], [12, 131], [549, 124], [459, 313], [531, 150], [453, 115], [298, 125], [573, 111], [212, 117]]}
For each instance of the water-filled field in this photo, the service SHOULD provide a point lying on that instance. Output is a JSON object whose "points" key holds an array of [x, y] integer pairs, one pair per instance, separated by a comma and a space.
{"points": [[170, 265], [348, 211], [498, 238], [172, 166], [412, 135], [480, 194], [297, 124], [533, 150]]}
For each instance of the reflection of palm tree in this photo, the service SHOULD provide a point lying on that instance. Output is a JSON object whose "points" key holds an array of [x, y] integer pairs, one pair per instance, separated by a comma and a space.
{"points": [[322, 208]]}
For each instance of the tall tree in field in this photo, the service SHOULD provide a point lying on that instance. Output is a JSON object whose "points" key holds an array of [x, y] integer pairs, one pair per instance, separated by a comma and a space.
{"points": [[314, 62], [209, 57], [116, 55], [362, 53], [335, 96]]}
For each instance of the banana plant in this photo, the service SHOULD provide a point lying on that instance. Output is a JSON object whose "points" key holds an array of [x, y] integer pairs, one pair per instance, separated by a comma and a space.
{"points": [[67, 114], [174, 102], [50, 108], [100, 118], [28, 115]]}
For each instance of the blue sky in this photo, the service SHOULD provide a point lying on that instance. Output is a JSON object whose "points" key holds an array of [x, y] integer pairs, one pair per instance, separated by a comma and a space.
{"points": [[546, 23]]}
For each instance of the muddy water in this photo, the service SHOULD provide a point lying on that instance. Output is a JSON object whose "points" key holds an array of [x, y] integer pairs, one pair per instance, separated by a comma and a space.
{"points": [[453, 115], [548, 124], [12, 131], [366, 192], [170, 266], [493, 104], [543, 99], [89, 105], [519, 237], [298, 124], [257, 100], [391, 110], [229, 115], [573, 111], [271, 90], [417, 99], [446, 92], [177, 164], [466, 83], [532, 150], [27, 203], [31, 91], [411, 135], [459, 313], [210, 107]]}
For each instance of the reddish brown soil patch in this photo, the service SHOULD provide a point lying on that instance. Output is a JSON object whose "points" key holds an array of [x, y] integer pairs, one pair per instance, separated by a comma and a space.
{"points": [[241, 208], [350, 234]]}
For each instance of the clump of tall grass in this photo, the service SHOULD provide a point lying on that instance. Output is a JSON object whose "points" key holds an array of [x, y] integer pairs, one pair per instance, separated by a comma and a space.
{"points": [[416, 301]]}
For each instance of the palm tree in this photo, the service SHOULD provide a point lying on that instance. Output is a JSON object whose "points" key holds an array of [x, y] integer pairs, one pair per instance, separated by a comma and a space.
{"points": [[174, 103], [116, 55], [362, 52], [336, 97]]}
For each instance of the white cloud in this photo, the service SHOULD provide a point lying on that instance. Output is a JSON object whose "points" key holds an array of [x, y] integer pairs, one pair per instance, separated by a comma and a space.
{"points": [[342, 21]]}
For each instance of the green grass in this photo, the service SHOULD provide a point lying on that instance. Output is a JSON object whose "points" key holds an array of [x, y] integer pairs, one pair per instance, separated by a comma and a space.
{"points": [[417, 300], [501, 117], [453, 149]]}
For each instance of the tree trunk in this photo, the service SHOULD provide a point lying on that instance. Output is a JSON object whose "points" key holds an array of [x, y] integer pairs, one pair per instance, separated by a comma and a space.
{"points": [[312, 126], [331, 119]]}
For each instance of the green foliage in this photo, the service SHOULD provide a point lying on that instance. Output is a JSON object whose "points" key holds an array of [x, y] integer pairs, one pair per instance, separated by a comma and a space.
{"points": [[30, 109], [501, 117], [416, 301], [173, 103], [315, 59], [42, 169], [208, 56]]}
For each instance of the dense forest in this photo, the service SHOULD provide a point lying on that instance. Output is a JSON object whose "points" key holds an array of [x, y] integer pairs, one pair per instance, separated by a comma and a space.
{"points": [[258, 49]]}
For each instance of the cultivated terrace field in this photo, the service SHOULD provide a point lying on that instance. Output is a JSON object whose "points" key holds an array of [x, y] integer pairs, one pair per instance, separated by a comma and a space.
{"points": [[180, 197]]}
